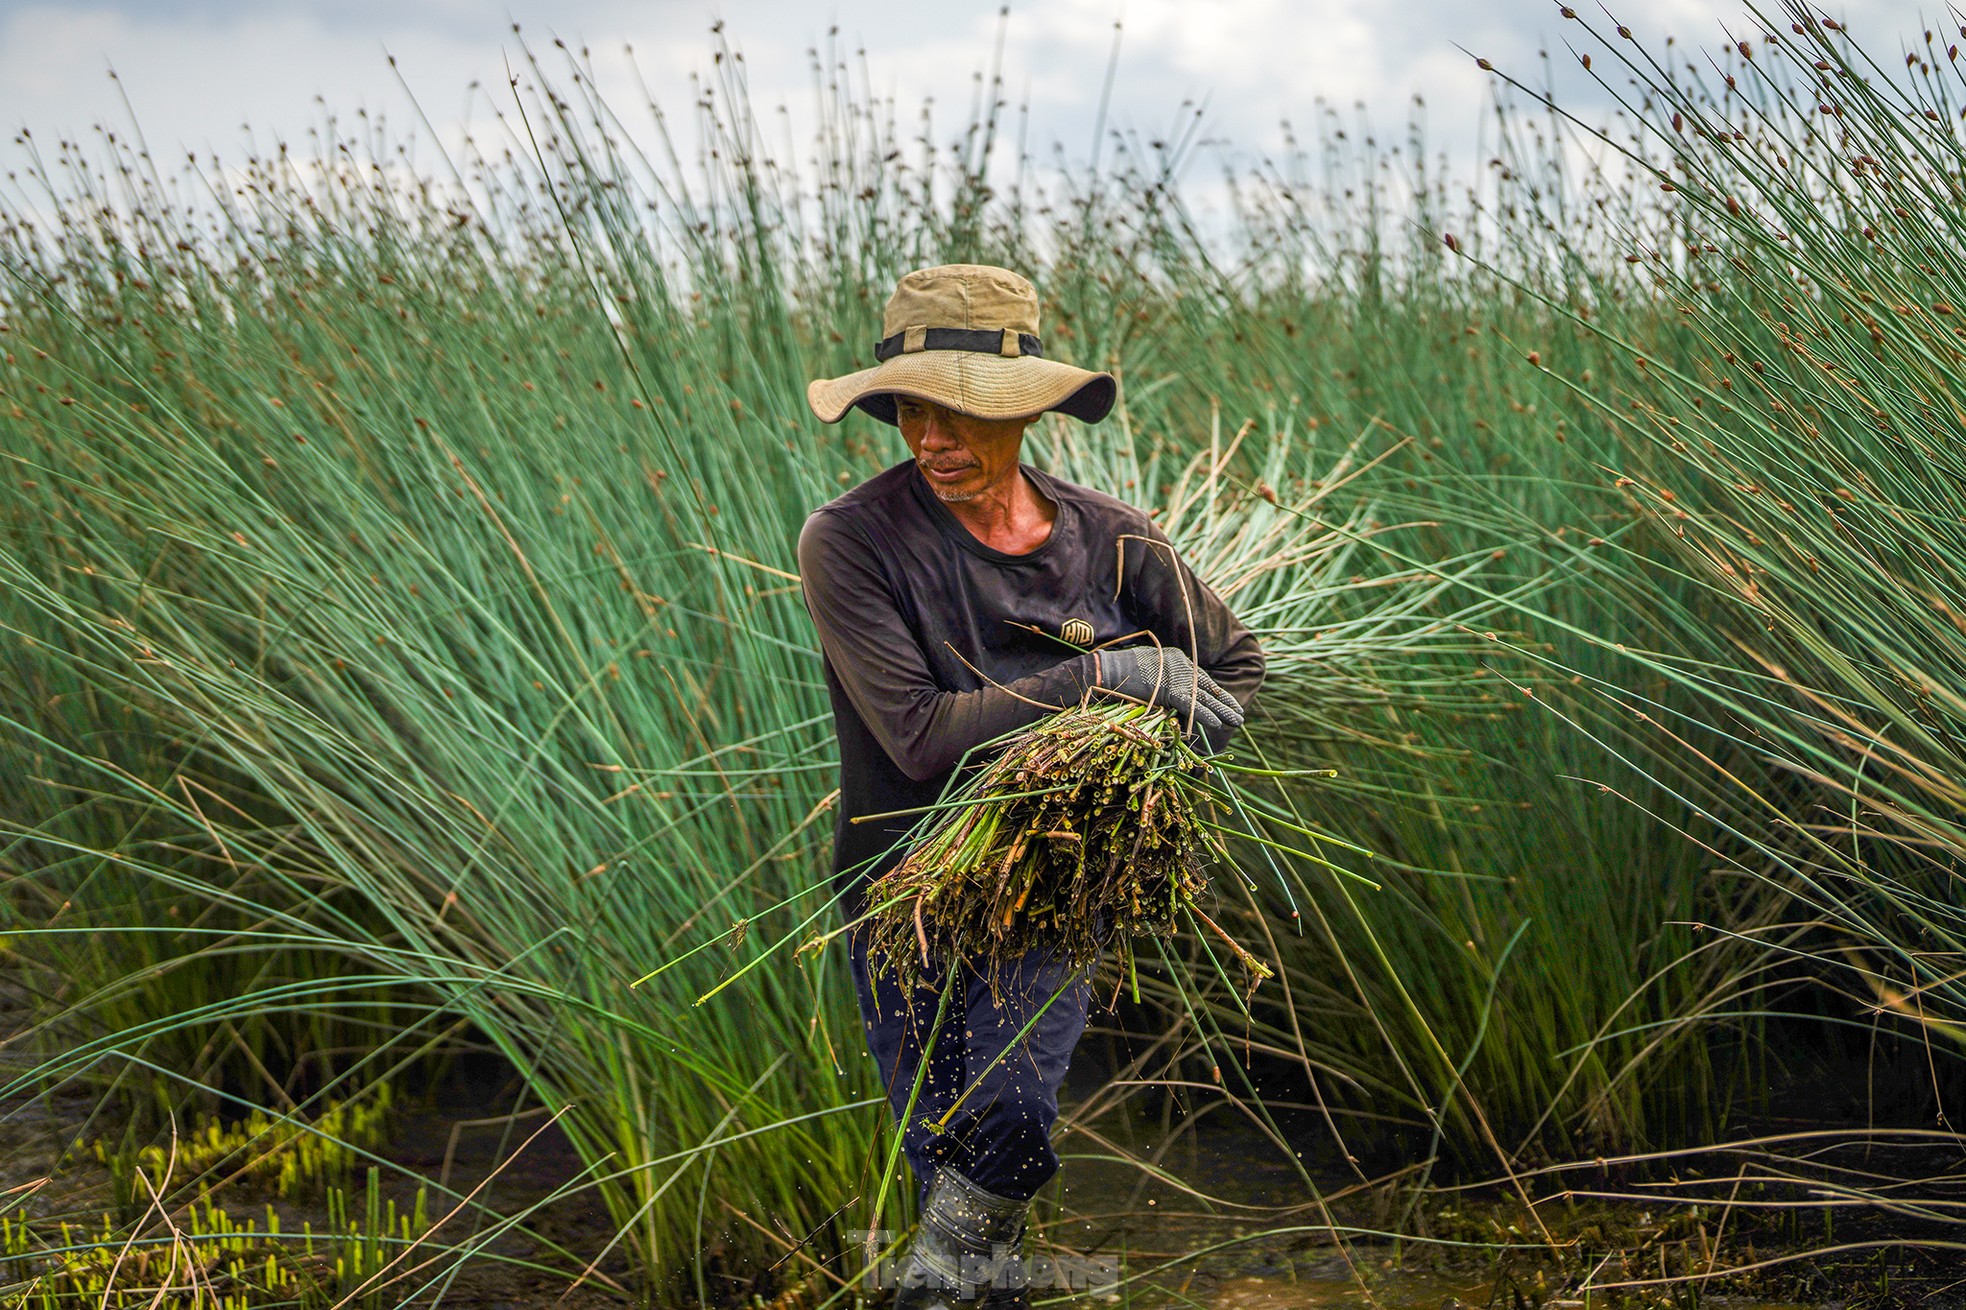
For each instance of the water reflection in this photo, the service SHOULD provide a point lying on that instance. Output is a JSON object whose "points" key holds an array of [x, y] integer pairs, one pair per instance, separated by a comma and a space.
{"points": [[1396, 1290]]}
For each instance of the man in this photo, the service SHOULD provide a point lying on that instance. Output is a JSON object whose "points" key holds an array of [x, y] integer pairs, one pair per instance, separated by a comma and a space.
{"points": [[958, 596]]}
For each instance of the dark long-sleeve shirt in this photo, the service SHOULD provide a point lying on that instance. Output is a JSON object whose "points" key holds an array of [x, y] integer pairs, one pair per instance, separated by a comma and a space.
{"points": [[935, 643]]}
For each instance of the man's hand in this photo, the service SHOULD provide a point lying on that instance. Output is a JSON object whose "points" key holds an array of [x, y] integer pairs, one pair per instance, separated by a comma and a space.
{"points": [[1169, 679]]}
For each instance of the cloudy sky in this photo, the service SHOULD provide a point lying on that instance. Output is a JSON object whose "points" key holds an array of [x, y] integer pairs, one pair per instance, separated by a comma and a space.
{"points": [[196, 70]]}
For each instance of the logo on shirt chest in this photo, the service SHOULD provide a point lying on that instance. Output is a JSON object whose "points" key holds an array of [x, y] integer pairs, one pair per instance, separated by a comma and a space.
{"points": [[1076, 632]]}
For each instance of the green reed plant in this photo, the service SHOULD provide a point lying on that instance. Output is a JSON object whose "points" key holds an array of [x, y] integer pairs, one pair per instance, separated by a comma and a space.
{"points": [[1800, 472], [210, 1259], [1519, 880], [403, 573]]}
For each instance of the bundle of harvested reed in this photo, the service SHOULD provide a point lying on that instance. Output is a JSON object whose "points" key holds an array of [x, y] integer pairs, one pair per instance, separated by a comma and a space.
{"points": [[1094, 824]]}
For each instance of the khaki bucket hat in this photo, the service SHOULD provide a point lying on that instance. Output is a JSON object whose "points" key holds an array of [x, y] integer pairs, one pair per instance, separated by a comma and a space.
{"points": [[965, 336]]}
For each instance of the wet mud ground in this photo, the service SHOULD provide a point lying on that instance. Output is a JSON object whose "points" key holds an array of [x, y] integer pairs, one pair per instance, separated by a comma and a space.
{"points": [[1289, 1261], [1234, 1233], [1544, 1243], [1246, 1244]]}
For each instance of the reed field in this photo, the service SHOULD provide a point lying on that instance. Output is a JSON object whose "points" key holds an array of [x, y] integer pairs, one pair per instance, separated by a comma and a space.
{"points": [[405, 660]]}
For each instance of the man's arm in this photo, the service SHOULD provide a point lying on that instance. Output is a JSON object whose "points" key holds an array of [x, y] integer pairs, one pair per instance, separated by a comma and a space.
{"points": [[1165, 597], [878, 660]]}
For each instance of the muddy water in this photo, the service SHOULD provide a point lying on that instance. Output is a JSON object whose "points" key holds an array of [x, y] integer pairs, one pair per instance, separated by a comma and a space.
{"points": [[1252, 1252], [1399, 1291]]}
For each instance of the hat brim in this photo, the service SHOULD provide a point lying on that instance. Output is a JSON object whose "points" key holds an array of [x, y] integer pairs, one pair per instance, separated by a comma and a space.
{"points": [[969, 382]]}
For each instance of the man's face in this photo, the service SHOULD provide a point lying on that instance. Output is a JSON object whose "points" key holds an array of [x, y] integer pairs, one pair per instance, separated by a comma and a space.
{"points": [[961, 456]]}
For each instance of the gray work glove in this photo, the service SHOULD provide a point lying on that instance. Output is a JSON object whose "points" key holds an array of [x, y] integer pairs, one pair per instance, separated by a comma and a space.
{"points": [[1165, 677]]}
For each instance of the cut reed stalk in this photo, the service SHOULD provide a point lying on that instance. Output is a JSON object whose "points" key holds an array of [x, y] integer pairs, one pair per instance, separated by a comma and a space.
{"points": [[1090, 827]]}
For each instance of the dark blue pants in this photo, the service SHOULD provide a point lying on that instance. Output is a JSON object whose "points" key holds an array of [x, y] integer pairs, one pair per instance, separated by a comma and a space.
{"points": [[1004, 1091]]}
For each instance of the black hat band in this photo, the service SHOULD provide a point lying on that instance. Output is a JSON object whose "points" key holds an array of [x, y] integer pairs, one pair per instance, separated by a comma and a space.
{"points": [[983, 341]]}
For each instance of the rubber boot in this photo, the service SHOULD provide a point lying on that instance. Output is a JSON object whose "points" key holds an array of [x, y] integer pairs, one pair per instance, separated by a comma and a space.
{"points": [[967, 1250]]}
